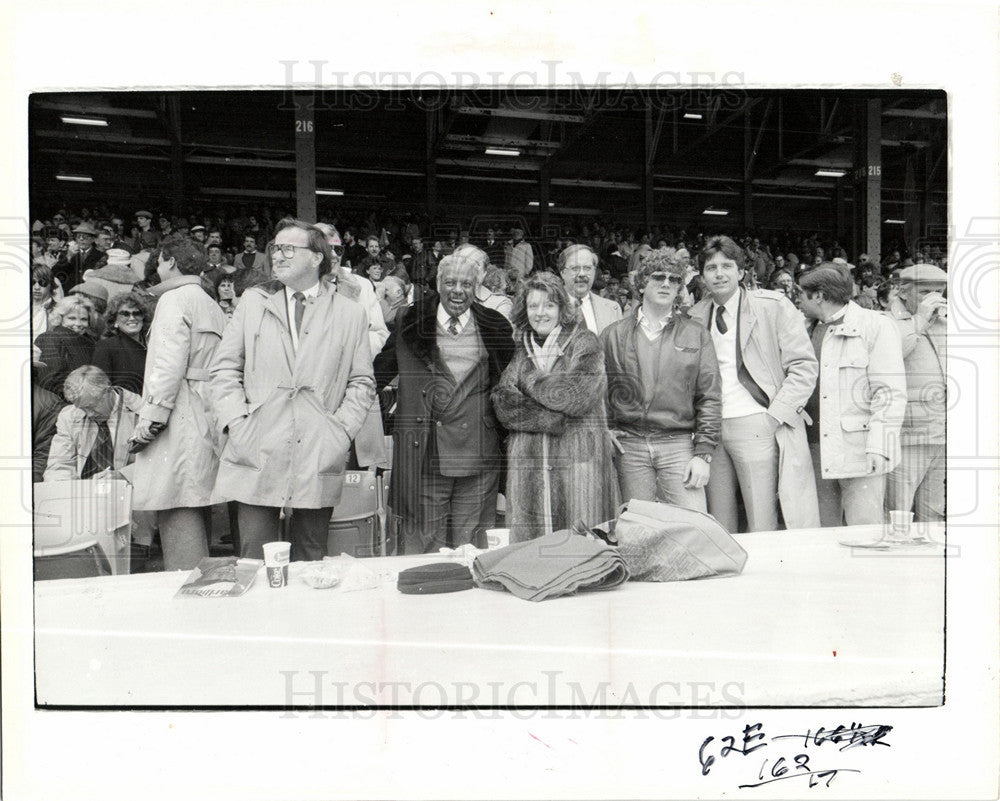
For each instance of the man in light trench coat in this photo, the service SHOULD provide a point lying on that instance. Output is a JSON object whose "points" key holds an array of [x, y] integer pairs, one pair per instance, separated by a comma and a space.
{"points": [[768, 369], [292, 384]]}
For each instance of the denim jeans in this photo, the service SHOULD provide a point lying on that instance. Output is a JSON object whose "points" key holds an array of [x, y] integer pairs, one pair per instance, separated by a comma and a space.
{"points": [[652, 469]]}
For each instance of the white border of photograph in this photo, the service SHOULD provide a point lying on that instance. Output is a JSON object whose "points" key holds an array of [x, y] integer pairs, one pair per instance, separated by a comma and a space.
{"points": [[947, 752]]}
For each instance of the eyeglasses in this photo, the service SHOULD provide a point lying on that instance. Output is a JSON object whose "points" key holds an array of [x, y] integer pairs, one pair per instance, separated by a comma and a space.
{"points": [[135, 315], [42, 282], [659, 278], [288, 251]]}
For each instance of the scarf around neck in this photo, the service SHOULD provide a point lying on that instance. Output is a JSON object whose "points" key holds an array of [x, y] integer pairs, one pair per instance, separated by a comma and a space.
{"points": [[543, 355]]}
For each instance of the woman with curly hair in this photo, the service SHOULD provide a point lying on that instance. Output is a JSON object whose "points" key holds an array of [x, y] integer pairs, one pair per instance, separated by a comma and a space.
{"points": [[551, 399], [69, 343], [122, 353]]}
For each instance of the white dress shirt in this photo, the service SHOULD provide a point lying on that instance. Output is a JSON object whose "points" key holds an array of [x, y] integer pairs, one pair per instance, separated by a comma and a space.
{"points": [[443, 318], [650, 327], [736, 401]]}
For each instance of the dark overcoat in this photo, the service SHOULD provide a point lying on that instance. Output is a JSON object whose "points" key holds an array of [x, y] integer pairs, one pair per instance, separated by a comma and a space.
{"points": [[423, 400]]}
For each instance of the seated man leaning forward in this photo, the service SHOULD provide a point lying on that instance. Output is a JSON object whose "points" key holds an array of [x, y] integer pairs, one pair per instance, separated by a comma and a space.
{"points": [[664, 397], [92, 433], [291, 384]]}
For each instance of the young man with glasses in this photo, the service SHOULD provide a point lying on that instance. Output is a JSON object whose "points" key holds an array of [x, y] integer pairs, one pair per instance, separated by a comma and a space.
{"points": [[291, 384], [768, 371], [664, 402]]}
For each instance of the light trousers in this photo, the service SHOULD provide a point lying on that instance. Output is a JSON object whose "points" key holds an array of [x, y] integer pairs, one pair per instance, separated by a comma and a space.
{"points": [[848, 501], [746, 459], [917, 483]]}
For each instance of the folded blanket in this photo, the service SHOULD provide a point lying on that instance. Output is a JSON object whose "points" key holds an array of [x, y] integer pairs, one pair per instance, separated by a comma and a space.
{"points": [[559, 563]]}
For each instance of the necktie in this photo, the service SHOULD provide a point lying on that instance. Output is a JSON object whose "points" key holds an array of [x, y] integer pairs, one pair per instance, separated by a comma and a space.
{"points": [[453, 326], [817, 337], [719, 322], [300, 310], [102, 455]]}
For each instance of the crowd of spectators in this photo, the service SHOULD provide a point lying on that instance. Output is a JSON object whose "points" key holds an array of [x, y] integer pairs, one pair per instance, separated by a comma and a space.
{"points": [[104, 243], [98, 276]]}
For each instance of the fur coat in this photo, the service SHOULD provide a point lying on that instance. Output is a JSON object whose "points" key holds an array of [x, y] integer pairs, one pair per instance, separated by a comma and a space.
{"points": [[558, 426]]}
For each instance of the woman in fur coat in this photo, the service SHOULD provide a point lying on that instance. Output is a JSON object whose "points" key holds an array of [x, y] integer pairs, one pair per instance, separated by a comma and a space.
{"points": [[551, 399]]}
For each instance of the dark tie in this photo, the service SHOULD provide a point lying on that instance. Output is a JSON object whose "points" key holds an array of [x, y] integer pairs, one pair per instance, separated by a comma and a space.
{"points": [[453, 326], [742, 374], [300, 310], [817, 337], [719, 322], [102, 455]]}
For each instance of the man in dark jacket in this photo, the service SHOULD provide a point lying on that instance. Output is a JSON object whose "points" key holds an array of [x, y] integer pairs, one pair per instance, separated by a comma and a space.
{"points": [[447, 458], [81, 256], [494, 248], [421, 265], [664, 396]]}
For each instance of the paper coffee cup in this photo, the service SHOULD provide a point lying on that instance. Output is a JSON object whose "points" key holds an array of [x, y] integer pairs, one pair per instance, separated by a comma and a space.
{"points": [[900, 524], [497, 537], [276, 558]]}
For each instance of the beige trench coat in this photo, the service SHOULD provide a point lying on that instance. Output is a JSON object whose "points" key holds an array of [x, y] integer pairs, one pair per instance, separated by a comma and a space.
{"points": [[177, 469], [304, 406], [779, 356]]}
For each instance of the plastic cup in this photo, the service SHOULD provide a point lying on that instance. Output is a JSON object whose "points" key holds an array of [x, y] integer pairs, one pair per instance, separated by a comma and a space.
{"points": [[900, 526], [276, 558], [497, 538]]}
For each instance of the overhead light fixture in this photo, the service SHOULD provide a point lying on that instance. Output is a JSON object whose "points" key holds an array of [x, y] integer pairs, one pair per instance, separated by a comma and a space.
{"points": [[537, 203], [831, 173], [690, 115], [83, 179], [97, 121], [717, 212], [502, 151], [894, 222], [334, 192]]}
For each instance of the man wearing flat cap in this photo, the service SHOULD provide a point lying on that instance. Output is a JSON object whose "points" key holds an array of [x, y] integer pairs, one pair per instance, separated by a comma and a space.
{"points": [[197, 233], [921, 313], [143, 229], [81, 255], [577, 265]]}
